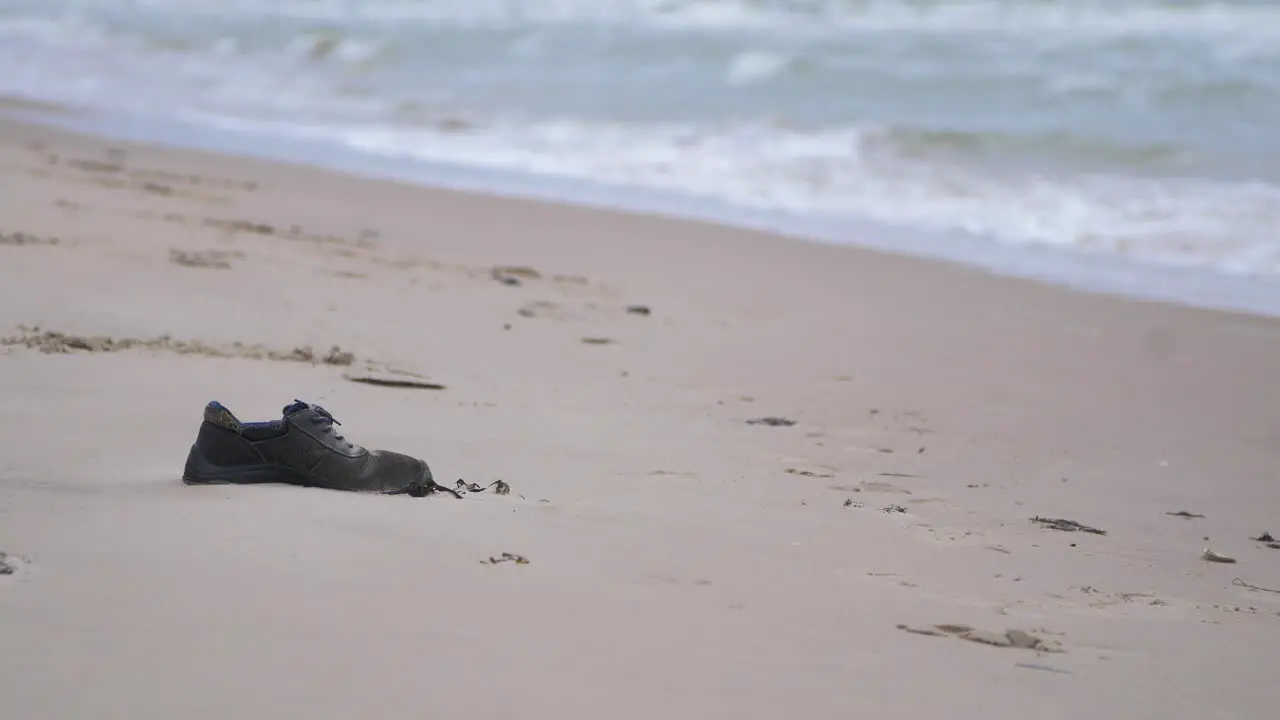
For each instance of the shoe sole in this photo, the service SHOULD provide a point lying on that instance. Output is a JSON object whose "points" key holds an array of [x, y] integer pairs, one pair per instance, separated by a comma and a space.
{"points": [[199, 471]]}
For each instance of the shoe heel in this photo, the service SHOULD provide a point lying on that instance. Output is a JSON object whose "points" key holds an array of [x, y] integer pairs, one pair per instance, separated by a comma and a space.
{"points": [[199, 471]]}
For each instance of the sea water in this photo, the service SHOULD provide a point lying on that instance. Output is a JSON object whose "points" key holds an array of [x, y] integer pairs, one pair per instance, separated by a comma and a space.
{"points": [[1123, 145]]}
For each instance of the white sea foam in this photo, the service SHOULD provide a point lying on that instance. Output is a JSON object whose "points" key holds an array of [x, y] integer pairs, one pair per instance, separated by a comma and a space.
{"points": [[754, 66], [1226, 226], [1113, 17]]}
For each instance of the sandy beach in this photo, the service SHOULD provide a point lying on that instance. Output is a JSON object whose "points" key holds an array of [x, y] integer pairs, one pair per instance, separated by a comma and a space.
{"points": [[683, 560]]}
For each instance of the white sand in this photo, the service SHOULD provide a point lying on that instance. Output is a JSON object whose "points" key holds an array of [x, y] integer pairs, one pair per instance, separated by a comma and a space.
{"points": [[677, 569]]}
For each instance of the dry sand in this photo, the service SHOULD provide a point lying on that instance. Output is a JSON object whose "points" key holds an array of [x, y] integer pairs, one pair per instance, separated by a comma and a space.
{"points": [[683, 562]]}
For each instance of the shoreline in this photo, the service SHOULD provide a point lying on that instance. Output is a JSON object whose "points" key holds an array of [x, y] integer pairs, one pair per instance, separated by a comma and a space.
{"points": [[1099, 274], [687, 556]]}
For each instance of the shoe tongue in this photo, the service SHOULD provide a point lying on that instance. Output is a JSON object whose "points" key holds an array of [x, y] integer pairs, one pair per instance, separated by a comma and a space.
{"points": [[297, 406]]}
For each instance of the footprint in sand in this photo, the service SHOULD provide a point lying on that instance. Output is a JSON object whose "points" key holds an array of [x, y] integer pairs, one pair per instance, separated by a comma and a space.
{"points": [[671, 473], [1011, 638], [872, 486], [804, 467], [210, 259], [808, 473]]}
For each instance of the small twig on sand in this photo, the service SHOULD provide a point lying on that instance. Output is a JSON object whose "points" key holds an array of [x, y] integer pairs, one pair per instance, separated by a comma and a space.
{"points": [[1066, 525], [1244, 584]]}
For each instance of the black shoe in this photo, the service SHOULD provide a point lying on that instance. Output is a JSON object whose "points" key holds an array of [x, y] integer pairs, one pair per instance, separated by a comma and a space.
{"points": [[302, 448]]}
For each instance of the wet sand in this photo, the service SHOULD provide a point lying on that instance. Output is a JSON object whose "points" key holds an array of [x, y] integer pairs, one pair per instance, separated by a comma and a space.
{"points": [[684, 558]]}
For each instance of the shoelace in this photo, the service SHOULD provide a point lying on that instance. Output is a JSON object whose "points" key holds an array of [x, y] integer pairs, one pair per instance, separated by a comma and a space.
{"points": [[327, 419]]}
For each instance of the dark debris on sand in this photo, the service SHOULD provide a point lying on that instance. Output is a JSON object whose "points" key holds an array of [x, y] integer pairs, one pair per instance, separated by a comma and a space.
{"points": [[430, 487], [772, 421], [506, 557], [499, 487], [513, 275], [1268, 540], [21, 238]]}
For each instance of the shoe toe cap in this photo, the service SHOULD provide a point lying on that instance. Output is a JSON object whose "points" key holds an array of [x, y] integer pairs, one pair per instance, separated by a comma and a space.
{"points": [[398, 473]]}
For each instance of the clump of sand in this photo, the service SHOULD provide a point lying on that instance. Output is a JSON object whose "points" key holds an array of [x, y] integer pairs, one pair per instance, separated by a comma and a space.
{"points": [[53, 342]]}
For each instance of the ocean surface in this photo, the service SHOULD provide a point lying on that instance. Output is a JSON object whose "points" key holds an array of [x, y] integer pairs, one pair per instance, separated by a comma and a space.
{"points": [[1135, 140]]}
